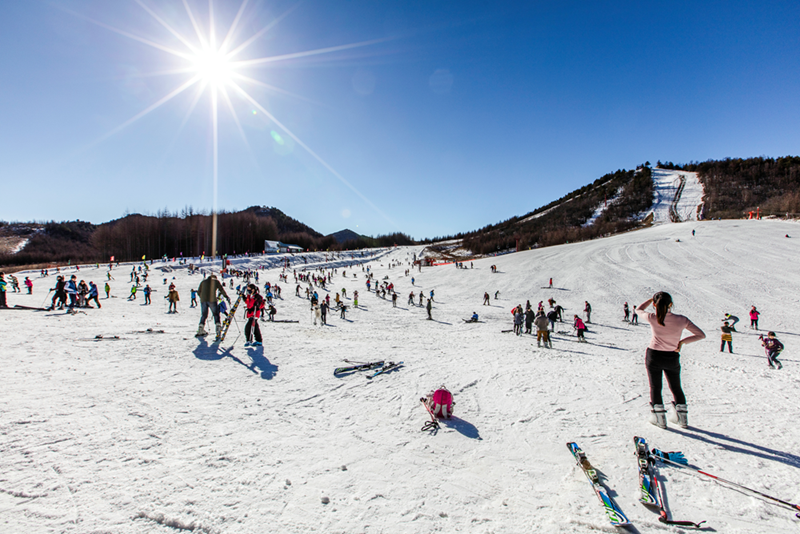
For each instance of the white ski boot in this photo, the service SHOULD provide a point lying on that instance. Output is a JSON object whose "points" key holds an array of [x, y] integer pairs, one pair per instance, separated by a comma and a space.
{"points": [[681, 415], [219, 330], [201, 331], [658, 416]]}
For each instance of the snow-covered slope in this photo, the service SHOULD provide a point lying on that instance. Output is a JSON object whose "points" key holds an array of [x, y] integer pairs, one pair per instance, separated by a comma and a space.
{"points": [[677, 196], [129, 435]]}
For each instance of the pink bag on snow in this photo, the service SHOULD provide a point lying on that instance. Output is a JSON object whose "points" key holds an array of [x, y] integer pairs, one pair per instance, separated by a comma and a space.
{"points": [[441, 403]]}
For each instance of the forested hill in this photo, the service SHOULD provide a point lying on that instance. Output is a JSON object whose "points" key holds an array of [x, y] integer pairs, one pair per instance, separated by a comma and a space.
{"points": [[734, 187], [619, 201], [624, 194]]}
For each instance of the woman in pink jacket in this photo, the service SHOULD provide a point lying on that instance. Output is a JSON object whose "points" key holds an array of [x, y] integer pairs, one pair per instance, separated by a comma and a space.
{"points": [[754, 317], [663, 356]]}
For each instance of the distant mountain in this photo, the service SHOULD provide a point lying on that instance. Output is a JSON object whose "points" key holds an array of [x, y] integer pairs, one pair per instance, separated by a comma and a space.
{"points": [[345, 235], [286, 224]]}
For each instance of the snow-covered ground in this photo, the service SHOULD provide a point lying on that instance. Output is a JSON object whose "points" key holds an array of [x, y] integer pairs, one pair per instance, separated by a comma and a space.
{"points": [[669, 185], [133, 434]]}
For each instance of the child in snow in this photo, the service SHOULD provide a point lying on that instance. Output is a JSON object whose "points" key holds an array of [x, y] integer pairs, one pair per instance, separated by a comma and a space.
{"points": [[773, 348], [663, 356], [726, 337]]}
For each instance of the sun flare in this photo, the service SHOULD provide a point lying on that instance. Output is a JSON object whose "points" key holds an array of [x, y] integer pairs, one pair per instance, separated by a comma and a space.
{"points": [[213, 67]]}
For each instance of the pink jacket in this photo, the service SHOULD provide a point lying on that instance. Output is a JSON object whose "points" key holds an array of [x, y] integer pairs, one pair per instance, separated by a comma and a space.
{"points": [[579, 324], [754, 315], [667, 337]]}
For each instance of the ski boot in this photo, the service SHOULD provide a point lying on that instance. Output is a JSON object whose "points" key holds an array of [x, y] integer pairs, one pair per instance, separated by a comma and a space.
{"points": [[658, 416], [201, 331], [218, 330], [681, 415]]}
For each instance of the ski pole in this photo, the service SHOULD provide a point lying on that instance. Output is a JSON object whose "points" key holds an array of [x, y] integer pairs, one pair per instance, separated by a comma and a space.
{"points": [[663, 516], [46, 297], [734, 484]]}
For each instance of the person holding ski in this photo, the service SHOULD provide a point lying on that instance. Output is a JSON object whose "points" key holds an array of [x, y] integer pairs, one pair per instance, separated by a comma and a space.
{"points": [[254, 304], [663, 356], [754, 317], [208, 290], [773, 348]]}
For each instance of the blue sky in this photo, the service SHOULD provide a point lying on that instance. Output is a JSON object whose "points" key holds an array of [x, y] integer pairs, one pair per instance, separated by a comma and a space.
{"points": [[458, 115]]}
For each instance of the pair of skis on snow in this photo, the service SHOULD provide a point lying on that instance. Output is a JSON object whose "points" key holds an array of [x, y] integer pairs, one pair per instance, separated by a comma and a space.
{"points": [[379, 367], [648, 484]]}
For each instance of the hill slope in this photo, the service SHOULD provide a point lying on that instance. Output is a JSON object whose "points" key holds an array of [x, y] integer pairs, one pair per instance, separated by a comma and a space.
{"points": [[128, 434]]}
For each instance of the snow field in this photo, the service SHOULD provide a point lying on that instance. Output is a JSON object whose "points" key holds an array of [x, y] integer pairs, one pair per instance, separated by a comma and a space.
{"points": [[134, 434]]}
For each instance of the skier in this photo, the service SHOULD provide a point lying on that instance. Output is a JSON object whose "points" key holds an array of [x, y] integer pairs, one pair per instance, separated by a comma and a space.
{"points": [[773, 348], [587, 308], [173, 298], [558, 309], [394, 300], [529, 317], [193, 294], [317, 314], [726, 336], [551, 317], [486, 299], [754, 317], [519, 317], [255, 306], [92, 295], [663, 356], [474, 318], [627, 311], [431, 294], [29, 285], [732, 319], [273, 311], [541, 331], [108, 290], [580, 328], [551, 283], [132, 296], [429, 307], [411, 299], [323, 312], [355, 298], [634, 317], [420, 298], [344, 309], [208, 290], [146, 292], [496, 295]]}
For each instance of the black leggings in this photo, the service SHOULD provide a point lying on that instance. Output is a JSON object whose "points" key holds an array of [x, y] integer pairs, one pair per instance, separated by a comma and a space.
{"points": [[252, 327], [657, 361]]}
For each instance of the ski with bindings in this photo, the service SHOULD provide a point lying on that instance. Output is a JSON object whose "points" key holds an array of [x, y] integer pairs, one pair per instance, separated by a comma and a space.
{"points": [[647, 482], [360, 367], [390, 366], [226, 324], [613, 512]]}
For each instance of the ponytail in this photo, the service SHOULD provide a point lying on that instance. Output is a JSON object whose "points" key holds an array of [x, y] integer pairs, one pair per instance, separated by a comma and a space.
{"points": [[661, 302]]}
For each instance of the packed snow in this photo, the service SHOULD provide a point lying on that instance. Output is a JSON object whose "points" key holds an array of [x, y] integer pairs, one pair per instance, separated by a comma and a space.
{"points": [[157, 432], [677, 196]]}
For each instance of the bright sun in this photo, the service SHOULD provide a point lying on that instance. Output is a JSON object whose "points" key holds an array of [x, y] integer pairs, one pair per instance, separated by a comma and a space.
{"points": [[213, 67]]}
